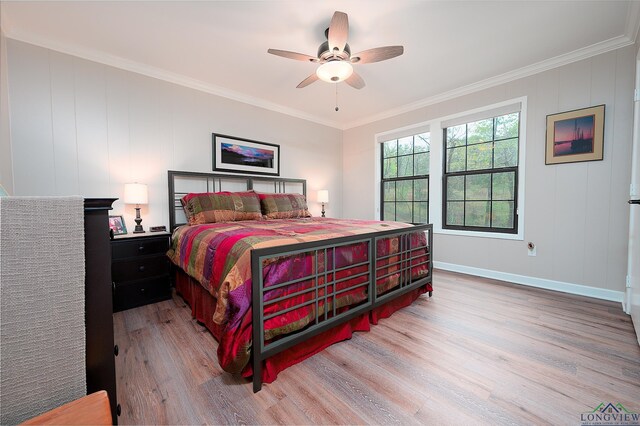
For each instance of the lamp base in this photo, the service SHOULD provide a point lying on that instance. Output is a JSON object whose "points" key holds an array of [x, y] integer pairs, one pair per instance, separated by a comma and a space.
{"points": [[322, 210], [138, 229]]}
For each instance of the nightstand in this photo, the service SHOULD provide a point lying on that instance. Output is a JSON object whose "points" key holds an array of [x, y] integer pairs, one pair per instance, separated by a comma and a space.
{"points": [[140, 269]]}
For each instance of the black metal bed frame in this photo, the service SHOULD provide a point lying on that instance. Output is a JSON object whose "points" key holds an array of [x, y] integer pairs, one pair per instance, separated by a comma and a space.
{"points": [[322, 284], [214, 181]]}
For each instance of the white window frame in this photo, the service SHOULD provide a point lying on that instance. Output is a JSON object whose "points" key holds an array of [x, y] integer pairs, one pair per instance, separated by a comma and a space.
{"points": [[435, 128]]}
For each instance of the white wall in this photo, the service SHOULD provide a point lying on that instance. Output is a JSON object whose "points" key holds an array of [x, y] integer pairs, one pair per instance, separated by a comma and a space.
{"points": [[6, 169], [79, 127], [576, 214]]}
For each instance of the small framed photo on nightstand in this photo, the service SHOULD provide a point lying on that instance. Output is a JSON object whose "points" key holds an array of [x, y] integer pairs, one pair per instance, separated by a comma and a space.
{"points": [[116, 224]]}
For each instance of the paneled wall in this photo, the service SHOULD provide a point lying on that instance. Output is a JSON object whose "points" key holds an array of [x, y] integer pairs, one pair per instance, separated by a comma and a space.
{"points": [[79, 127], [576, 214], [6, 169]]}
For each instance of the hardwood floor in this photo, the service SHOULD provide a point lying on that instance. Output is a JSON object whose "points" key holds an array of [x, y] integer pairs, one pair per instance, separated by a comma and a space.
{"points": [[479, 352]]}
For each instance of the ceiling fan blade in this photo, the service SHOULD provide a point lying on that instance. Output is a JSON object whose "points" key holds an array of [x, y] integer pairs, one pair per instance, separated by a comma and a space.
{"points": [[377, 54], [293, 55], [355, 81], [338, 31], [307, 81]]}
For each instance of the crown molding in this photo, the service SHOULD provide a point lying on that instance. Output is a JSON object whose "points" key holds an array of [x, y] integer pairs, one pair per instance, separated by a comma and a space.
{"points": [[547, 64], [160, 74], [632, 26], [633, 21]]}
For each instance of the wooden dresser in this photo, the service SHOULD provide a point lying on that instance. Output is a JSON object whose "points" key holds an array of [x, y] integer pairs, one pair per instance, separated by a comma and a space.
{"points": [[100, 348]]}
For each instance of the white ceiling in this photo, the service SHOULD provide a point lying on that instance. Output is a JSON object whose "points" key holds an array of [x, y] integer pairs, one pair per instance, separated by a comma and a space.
{"points": [[451, 47]]}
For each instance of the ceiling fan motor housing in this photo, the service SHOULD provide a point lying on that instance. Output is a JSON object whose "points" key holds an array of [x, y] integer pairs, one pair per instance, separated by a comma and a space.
{"points": [[324, 53]]}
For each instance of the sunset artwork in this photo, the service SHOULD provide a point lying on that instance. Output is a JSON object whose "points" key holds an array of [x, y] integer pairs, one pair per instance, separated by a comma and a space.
{"points": [[246, 156], [573, 136], [238, 155]]}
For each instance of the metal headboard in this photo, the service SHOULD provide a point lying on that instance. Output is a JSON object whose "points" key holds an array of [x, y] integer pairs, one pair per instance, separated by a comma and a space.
{"points": [[182, 183]]}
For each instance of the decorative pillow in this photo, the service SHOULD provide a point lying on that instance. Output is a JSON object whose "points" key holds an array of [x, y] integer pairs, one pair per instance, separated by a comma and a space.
{"points": [[209, 207], [283, 206]]}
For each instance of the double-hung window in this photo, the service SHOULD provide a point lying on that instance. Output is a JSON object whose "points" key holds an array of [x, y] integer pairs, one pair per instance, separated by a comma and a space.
{"points": [[405, 179], [480, 175]]}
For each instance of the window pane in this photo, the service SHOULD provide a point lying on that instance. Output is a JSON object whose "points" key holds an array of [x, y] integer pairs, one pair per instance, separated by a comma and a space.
{"points": [[455, 213], [477, 213], [389, 191], [507, 126], [506, 153], [422, 142], [478, 187], [421, 164], [420, 213], [503, 186], [404, 190], [456, 159], [479, 156], [390, 149], [405, 166], [421, 190], [389, 211], [456, 136], [502, 214], [390, 168], [405, 146], [455, 188], [403, 212], [475, 196], [480, 131]]}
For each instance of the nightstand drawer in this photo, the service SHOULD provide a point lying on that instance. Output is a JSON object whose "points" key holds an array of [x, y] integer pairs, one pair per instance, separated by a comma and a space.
{"points": [[136, 269], [137, 293], [139, 247]]}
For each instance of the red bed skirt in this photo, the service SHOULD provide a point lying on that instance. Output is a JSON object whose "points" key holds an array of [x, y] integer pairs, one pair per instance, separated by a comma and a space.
{"points": [[203, 307]]}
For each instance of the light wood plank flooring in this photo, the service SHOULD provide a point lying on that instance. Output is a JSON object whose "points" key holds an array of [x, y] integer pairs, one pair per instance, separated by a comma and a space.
{"points": [[479, 352]]}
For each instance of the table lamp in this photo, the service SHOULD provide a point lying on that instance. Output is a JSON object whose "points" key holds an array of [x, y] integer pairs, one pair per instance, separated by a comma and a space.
{"points": [[323, 197], [136, 193]]}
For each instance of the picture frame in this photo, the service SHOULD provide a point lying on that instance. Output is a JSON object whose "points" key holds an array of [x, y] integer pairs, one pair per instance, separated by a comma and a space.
{"points": [[117, 225], [575, 136], [239, 155]]}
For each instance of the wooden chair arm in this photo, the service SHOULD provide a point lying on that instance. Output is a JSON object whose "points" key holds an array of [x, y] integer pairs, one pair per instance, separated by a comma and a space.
{"points": [[92, 409]]}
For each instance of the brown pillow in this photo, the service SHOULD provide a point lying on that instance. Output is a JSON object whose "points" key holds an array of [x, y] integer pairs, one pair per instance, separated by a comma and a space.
{"points": [[210, 207], [283, 206]]}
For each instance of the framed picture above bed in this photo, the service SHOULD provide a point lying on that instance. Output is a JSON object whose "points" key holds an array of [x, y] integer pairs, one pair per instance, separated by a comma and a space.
{"points": [[238, 155], [575, 136]]}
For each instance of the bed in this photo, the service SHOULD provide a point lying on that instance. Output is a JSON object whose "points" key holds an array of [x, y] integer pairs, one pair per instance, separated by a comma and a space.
{"points": [[274, 292]]}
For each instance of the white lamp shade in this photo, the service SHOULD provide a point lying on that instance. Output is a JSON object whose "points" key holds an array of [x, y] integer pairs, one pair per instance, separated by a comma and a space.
{"points": [[135, 193], [334, 71], [323, 196]]}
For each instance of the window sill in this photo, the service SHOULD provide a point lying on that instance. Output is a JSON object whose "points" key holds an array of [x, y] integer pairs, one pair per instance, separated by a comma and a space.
{"points": [[496, 235]]}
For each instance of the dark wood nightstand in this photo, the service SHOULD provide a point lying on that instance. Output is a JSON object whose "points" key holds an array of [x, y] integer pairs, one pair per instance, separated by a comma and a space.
{"points": [[140, 269]]}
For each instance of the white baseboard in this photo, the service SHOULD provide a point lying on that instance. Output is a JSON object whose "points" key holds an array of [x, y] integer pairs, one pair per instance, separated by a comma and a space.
{"points": [[581, 290]]}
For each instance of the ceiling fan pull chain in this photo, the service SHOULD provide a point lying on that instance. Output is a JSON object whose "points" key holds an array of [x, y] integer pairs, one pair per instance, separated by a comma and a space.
{"points": [[336, 84]]}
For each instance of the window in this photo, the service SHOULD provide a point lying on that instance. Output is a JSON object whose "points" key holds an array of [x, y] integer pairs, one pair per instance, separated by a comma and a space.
{"points": [[405, 179], [480, 177]]}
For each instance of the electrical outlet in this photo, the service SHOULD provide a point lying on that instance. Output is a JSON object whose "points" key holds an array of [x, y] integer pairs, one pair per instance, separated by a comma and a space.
{"points": [[531, 249]]}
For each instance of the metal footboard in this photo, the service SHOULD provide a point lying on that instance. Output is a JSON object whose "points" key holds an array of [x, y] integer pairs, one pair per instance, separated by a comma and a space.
{"points": [[321, 289]]}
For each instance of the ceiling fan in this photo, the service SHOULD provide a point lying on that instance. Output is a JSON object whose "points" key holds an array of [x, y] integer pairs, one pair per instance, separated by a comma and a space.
{"points": [[335, 58]]}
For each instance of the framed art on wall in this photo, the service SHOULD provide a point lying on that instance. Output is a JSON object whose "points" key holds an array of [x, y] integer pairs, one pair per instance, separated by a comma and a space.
{"points": [[116, 224], [575, 136], [232, 154]]}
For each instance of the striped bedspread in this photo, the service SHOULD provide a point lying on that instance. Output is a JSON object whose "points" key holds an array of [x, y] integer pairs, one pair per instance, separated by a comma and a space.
{"points": [[218, 255]]}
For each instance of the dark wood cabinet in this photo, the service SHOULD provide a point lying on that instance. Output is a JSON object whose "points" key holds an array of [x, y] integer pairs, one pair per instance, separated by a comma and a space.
{"points": [[100, 357], [140, 269]]}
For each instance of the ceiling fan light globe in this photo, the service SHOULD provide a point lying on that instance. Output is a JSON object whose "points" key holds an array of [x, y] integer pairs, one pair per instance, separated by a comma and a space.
{"points": [[334, 71]]}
